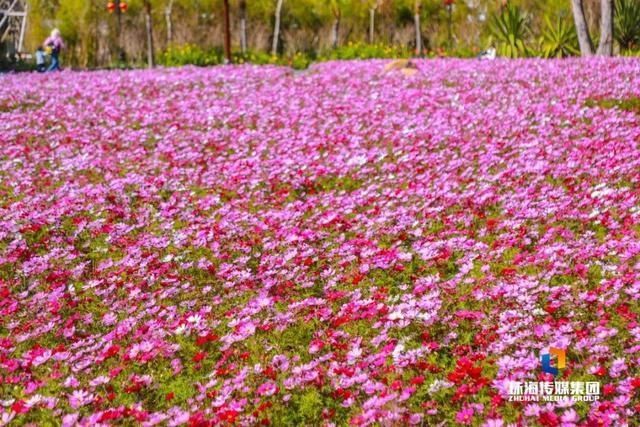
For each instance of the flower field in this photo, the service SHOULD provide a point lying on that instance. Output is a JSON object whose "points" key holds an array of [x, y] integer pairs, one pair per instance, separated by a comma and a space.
{"points": [[341, 246]]}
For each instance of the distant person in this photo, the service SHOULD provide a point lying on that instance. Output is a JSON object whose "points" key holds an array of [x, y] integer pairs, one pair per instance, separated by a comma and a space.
{"points": [[41, 66], [55, 43]]}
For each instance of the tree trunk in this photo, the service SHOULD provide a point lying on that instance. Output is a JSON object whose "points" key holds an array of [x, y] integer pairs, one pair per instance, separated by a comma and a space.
{"points": [[149, 24], [418, 30], [372, 24], [169, 21], [227, 32], [584, 39], [121, 54], [243, 26], [335, 28], [276, 28], [335, 32], [605, 46]]}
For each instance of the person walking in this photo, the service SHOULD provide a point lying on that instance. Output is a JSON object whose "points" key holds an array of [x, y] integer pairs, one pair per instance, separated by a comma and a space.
{"points": [[55, 43]]}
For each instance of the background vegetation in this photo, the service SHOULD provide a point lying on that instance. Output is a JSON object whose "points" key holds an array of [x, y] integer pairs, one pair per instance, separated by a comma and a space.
{"points": [[191, 31]]}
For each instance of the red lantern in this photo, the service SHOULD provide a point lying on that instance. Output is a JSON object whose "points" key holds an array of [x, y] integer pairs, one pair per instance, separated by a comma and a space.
{"points": [[123, 7], [111, 7]]}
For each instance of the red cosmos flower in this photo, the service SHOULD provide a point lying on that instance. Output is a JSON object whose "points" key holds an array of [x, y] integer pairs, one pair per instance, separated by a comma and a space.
{"points": [[549, 419], [133, 388], [357, 278], [496, 401], [198, 420], [228, 415], [508, 272], [140, 416], [601, 371], [635, 383], [269, 372], [328, 413], [199, 356], [115, 372], [464, 368], [549, 308], [608, 389], [204, 339], [111, 351], [419, 380], [221, 372], [264, 406], [19, 407], [110, 415]]}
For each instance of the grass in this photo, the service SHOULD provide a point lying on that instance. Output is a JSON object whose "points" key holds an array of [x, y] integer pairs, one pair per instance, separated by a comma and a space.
{"points": [[627, 104]]}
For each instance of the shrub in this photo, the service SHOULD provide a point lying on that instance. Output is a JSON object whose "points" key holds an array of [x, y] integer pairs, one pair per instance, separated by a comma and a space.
{"points": [[189, 55], [510, 30], [366, 51], [627, 24], [559, 39], [194, 55]]}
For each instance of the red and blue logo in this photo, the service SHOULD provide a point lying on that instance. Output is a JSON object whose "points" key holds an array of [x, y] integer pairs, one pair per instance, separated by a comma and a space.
{"points": [[553, 360]]}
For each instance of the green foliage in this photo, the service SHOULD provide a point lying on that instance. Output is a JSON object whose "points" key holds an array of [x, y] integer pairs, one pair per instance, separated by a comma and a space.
{"points": [[627, 24], [194, 55], [510, 30], [367, 51], [190, 54], [305, 409], [627, 104], [559, 39]]}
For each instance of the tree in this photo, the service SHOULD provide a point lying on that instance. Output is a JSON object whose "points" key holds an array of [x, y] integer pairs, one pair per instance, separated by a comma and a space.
{"points": [[243, 25], [605, 46], [227, 32], [416, 15], [373, 6], [149, 27], [276, 28], [168, 11], [336, 11], [121, 54]]}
